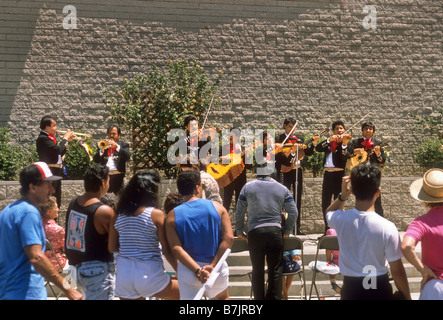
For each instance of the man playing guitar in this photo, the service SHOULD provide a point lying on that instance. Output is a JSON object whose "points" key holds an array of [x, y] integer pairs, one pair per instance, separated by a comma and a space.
{"points": [[366, 144]]}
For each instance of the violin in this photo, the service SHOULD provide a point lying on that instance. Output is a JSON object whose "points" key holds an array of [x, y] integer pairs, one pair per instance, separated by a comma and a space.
{"points": [[344, 135], [287, 147]]}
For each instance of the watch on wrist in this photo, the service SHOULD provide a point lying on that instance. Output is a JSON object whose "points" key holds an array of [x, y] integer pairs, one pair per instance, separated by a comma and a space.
{"points": [[340, 198]]}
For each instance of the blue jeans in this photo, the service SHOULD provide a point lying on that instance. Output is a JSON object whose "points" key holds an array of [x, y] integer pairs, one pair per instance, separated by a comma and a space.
{"points": [[96, 280]]}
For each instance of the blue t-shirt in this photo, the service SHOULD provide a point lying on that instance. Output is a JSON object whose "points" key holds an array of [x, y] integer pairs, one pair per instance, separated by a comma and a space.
{"points": [[20, 226], [198, 226]]}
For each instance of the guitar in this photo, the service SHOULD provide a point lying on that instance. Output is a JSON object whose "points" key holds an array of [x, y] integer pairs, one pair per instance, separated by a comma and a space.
{"points": [[224, 174], [362, 158], [301, 152]]}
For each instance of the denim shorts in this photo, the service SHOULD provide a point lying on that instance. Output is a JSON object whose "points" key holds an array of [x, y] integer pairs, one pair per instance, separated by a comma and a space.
{"points": [[96, 280]]}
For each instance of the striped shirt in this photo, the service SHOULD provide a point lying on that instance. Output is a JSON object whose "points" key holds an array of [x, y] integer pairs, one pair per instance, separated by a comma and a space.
{"points": [[138, 236]]}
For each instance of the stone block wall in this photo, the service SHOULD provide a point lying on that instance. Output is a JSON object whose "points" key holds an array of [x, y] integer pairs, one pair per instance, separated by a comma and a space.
{"points": [[316, 60], [398, 206]]}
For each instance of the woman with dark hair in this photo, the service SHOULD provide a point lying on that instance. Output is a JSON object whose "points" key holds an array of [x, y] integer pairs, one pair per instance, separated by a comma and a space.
{"points": [[136, 235]]}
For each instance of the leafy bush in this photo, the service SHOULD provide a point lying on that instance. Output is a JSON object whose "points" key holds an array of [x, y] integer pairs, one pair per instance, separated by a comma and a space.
{"points": [[13, 158], [430, 153], [313, 162], [77, 159], [152, 105]]}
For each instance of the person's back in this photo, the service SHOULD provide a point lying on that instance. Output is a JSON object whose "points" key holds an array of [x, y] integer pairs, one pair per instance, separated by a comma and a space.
{"points": [[428, 229], [88, 222], [198, 225], [365, 239], [83, 242], [138, 236], [266, 198], [369, 244], [20, 226]]}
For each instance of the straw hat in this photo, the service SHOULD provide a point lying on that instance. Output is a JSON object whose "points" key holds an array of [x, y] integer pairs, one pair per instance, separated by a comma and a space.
{"points": [[429, 188]]}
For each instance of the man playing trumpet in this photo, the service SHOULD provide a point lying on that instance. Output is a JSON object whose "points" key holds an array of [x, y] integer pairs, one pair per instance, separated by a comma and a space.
{"points": [[113, 153], [50, 152]]}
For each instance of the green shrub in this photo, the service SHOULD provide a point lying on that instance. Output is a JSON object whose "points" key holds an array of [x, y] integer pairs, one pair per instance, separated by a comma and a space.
{"points": [[430, 153], [77, 159], [13, 158]]}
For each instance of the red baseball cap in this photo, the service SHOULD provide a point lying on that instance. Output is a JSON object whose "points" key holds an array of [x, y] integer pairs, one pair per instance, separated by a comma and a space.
{"points": [[42, 171]]}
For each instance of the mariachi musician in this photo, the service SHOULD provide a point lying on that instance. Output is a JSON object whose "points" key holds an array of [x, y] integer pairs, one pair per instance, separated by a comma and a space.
{"points": [[50, 152], [334, 163], [233, 152], [114, 153], [289, 167], [372, 147]]}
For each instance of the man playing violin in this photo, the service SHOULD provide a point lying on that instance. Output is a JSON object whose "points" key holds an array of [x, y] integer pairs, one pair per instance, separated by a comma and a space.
{"points": [[334, 162], [114, 156], [197, 138], [365, 144], [50, 152], [288, 166]]}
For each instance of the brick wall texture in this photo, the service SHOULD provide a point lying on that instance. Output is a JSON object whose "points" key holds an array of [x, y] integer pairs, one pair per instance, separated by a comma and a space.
{"points": [[315, 60]]}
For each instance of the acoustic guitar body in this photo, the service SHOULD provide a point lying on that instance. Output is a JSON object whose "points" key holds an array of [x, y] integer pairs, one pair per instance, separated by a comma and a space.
{"points": [[355, 161], [224, 174]]}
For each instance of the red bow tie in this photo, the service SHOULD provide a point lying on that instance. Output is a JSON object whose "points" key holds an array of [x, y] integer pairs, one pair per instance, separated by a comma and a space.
{"points": [[334, 146], [111, 151], [292, 139], [52, 137], [367, 144]]}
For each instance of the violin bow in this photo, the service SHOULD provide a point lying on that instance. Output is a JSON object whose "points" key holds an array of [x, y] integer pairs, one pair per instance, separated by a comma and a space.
{"points": [[292, 130], [359, 121], [207, 112]]}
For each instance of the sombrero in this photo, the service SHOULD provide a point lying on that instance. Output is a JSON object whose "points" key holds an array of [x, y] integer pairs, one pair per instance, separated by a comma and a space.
{"points": [[429, 188]]}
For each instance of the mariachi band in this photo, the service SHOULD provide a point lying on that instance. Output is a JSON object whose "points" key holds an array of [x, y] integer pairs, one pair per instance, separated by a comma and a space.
{"points": [[341, 153]]}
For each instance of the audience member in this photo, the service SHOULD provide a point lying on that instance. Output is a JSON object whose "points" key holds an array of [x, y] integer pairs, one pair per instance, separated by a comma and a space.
{"points": [[23, 264], [210, 187], [199, 232], [332, 256], [291, 263], [136, 236], [367, 241], [172, 200], [55, 234], [428, 229], [264, 198], [88, 221]]}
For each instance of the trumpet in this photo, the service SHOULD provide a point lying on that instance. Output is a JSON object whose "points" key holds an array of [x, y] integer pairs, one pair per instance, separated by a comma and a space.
{"points": [[104, 144], [77, 135]]}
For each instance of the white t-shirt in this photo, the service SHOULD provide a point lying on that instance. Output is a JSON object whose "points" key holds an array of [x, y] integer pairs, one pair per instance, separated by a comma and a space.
{"points": [[367, 242]]}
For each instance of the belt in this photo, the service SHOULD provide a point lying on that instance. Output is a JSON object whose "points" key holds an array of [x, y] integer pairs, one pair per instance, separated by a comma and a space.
{"points": [[333, 169], [113, 172], [58, 165]]}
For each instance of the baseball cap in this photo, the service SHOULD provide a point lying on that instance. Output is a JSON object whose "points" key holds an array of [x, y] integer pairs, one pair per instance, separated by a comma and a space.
{"points": [[40, 171]]}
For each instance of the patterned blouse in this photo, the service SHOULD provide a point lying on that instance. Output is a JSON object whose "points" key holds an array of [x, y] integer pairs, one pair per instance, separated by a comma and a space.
{"points": [[56, 236]]}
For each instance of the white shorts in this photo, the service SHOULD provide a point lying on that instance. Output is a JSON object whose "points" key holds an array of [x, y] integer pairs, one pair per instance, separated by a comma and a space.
{"points": [[189, 285], [139, 278], [433, 290]]}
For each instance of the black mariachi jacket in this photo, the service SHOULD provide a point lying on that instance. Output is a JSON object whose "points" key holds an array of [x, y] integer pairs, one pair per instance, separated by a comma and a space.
{"points": [[339, 156], [47, 150], [120, 157], [281, 158]]}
